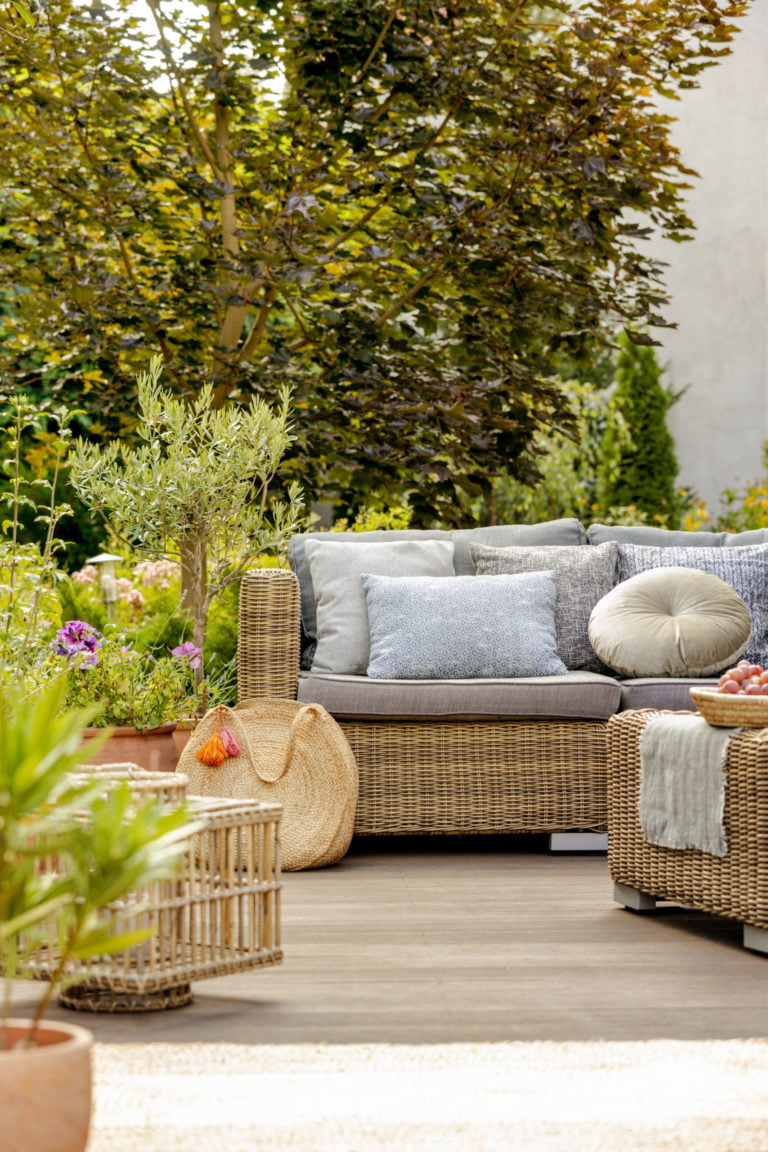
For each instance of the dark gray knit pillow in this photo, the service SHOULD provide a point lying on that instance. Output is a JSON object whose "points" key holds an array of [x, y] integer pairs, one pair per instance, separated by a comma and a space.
{"points": [[745, 569], [583, 575]]}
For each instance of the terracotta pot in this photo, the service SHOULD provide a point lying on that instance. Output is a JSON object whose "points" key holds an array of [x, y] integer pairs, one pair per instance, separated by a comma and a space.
{"points": [[154, 750], [45, 1102]]}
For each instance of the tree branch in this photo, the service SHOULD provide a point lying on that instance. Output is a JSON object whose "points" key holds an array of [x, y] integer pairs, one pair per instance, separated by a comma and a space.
{"points": [[175, 71]]}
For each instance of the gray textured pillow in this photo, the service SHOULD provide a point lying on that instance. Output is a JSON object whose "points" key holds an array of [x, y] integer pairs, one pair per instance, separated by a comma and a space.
{"points": [[745, 569], [670, 622], [342, 620], [471, 627], [582, 576]]}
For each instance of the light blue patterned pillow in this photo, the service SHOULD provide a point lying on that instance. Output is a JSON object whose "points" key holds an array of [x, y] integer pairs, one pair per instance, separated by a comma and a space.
{"points": [[467, 628]]}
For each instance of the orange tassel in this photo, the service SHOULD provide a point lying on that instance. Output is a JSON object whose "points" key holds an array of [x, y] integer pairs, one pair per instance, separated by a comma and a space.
{"points": [[212, 752]]}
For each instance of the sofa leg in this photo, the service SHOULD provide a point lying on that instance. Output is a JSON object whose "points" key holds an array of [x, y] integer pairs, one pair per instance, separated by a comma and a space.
{"points": [[578, 841], [755, 938], [633, 898]]}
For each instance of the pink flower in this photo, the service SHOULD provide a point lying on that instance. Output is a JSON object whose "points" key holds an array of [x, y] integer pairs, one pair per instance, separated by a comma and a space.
{"points": [[156, 572], [188, 652], [86, 575]]}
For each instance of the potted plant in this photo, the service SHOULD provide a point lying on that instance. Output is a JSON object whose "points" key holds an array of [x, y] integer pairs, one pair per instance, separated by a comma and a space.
{"points": [[139, 696], [195, 489], [105, 845]]}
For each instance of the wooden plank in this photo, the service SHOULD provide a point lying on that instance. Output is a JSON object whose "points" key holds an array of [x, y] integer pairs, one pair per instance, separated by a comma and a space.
{"points": [[485, 939]]}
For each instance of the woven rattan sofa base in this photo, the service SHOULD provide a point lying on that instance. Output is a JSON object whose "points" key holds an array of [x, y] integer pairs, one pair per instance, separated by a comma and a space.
{"points": [[467, 777], [735, 885], [449, 777]]}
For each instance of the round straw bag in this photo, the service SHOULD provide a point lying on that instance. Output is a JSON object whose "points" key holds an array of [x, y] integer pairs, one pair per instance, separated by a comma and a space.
{"points": [[295, 755]]}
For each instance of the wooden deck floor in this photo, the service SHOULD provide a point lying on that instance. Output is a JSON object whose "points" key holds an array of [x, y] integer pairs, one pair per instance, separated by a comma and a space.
{"points": [[490, 940]]}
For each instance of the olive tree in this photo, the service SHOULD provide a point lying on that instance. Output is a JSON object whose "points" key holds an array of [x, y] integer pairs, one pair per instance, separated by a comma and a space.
{"points": [[195, 487]]}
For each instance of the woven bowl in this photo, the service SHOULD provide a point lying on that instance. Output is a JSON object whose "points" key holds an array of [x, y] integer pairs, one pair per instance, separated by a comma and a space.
{"points": [[724, 711]]}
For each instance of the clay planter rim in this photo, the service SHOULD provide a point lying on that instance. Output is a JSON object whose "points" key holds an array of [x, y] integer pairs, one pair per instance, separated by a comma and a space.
{"points": [[50, 1034], [47, 1098], [129, 730]]}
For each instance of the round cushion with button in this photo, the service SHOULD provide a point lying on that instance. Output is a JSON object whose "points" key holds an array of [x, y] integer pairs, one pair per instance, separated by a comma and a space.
{"points": [[670, 622]]}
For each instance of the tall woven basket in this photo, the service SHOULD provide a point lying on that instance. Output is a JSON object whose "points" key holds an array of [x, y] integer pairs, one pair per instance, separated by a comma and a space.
{"points": [[294, 755]]}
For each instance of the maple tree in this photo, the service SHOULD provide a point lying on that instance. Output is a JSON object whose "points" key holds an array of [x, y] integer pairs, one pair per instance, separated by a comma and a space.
{"points": [[410, 211]]}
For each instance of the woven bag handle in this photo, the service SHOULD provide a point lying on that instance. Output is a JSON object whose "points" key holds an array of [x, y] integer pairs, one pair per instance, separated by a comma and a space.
{"points": [[271, 776]]}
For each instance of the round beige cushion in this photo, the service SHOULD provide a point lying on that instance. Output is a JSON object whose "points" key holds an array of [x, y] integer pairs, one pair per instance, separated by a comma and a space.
{"points": [[670, 622]]}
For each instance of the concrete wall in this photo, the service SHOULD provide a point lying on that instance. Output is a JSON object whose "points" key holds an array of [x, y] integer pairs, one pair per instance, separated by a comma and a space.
{"points": [[719, 281]]}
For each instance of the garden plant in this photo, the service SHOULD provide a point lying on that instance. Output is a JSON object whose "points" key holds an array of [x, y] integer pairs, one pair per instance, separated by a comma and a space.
{"points": [[194, 489], [103, 843]]}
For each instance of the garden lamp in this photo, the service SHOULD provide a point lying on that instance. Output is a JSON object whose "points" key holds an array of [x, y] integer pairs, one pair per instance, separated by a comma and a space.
{"points": [[105, 562]]}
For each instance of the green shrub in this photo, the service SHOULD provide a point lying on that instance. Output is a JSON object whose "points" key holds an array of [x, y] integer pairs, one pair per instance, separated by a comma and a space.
{"points": [[638, 465]]}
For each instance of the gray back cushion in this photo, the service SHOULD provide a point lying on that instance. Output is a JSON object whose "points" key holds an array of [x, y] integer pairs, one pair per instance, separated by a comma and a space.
{"points": [[565, 531], [582, 575], [672, 537], [745, 569], [342, 618]]}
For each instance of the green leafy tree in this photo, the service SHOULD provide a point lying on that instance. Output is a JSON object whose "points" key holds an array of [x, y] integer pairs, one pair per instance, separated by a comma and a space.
{"points": [[569, 462], [638, 462], [412, 211], [194, 489]]}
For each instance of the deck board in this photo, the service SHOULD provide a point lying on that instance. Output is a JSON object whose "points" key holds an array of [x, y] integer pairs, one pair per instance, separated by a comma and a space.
{"points": [[490, 939]]}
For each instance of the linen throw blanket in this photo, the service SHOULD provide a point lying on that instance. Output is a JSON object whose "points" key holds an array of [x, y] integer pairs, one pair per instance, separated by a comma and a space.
{"points": [[682, 783]]}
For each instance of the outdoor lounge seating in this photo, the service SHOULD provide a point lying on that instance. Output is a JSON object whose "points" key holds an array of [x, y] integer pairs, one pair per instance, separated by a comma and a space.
{"points": [[524, 754], [734, 884]]}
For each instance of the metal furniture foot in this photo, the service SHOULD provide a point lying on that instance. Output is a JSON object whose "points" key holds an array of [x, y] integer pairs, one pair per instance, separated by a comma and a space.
{"points": [[755, 938], [578, 841], [635, 899]]}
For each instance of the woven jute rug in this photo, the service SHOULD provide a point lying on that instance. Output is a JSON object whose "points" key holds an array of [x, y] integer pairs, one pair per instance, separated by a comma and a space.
{"points": [[545, 1097]]}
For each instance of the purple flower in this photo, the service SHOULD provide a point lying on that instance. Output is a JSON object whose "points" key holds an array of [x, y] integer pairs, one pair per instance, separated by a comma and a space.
{"points": [[189, 652], [76, 638]]}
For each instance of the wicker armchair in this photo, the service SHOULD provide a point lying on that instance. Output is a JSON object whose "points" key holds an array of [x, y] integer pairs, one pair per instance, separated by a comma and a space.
{"points": [[441, 776]]}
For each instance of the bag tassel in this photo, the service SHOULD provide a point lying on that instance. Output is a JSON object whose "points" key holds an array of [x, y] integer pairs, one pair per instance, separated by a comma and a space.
{"points": [[220, 747], [230, 742]]}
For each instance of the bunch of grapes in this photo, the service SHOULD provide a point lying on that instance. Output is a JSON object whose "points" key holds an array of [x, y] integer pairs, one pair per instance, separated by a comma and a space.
{"points": [[744, 680]]}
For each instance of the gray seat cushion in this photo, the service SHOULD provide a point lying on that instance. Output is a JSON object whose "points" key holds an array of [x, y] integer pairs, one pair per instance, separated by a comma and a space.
{"points": [[575, 696], [654, 692]]}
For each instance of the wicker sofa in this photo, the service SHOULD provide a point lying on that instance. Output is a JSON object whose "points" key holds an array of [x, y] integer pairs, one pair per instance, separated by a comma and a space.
{"points": [[527, 756]]}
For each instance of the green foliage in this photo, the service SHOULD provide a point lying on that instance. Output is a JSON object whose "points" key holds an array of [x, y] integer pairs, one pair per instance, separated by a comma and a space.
{"points": [[746, 509], [32, 456], [374, 520], [572, 463], [125, 686], [69, 849], [412, 212], [639, 465], [196, 488], [568, 463], [29, 608]]}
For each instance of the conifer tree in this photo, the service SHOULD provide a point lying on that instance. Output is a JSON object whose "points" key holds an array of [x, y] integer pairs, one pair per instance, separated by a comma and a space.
{"points": [[638, 461]]}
